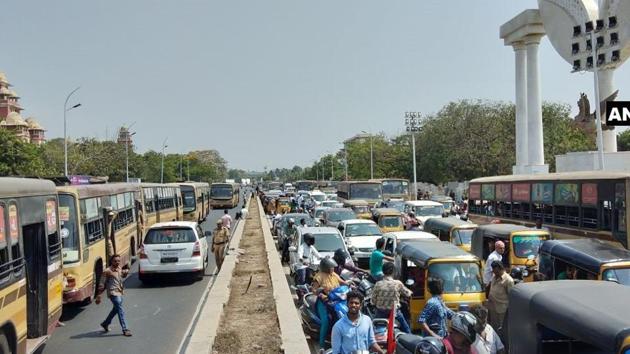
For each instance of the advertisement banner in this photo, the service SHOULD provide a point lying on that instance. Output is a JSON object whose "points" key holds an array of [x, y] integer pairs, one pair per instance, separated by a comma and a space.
{"points": [[504, 192], [487, 192], [567, 194], [51, 216], [589, 193], [520, 192], [542, 193], [474, 192], [14, 232]]}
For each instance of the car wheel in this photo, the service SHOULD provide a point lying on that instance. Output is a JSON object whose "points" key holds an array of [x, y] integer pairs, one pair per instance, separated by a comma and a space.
{"points": [[144, 278], [4, 344]]}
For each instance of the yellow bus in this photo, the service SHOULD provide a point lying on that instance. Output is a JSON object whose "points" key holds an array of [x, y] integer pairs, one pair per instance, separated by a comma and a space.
{"points": [[30, 263], [569, 204], [394, 188], [196, 200], [97, 220], [157, 203], [224, 195]]}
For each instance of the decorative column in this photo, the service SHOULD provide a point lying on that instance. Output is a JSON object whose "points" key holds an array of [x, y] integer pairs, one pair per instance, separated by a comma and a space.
{"points": [[534, 108], [521, 107]]}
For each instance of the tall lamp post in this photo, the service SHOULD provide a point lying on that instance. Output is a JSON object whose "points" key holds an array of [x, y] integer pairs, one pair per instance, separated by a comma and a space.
{"points": [[129, 135], [412, 123], [164, 146], [65, 130], [371, 154]]}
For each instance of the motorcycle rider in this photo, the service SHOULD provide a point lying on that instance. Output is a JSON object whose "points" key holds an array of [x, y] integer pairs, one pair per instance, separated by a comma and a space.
{"points": [[461, 334], [290, 232], [386, 296], [354, 332], [344, 261], [306, 253], [323, 282]]}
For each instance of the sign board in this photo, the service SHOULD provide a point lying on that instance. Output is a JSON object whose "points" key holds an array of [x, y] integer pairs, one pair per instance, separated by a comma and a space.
{"points": [[617, 113]]}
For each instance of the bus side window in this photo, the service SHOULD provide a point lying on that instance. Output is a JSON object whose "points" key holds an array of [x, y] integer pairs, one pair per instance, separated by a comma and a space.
{"points": [[54, 241], [5, 264]]}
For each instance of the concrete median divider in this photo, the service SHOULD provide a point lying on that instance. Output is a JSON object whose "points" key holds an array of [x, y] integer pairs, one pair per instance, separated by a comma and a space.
{"points": [[293, 338]]}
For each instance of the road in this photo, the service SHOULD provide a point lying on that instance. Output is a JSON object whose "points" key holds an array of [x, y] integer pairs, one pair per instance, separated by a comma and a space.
{"points": [[158, 315]]}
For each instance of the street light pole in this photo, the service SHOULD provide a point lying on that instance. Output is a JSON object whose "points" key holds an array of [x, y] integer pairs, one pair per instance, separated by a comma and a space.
{"points": [[598, 113], [415, 178], [332, 167], [412, 124], [127, 152], [65, 130], [164, 146]]}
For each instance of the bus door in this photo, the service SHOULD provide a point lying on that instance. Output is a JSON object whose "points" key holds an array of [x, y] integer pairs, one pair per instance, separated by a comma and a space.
{"points": [[36, 256]]}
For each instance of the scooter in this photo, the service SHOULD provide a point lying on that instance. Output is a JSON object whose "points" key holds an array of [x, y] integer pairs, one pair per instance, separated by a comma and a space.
{"points": [[337, 307]]}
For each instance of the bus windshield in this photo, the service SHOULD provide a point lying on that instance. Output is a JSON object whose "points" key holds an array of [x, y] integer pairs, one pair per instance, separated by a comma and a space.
{"points": [[462, 236], [189, 200], [619, 275], [69, 228], [462, 277], [221, 192], [429, 210], [395, 187], [526, 246], [365, 191]]}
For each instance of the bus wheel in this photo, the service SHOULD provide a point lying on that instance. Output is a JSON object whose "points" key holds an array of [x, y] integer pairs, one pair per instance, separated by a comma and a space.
{"points": [[4, 344]]}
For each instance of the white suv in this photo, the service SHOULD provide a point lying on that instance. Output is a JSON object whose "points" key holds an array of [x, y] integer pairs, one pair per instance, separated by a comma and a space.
{"points": [[173, 247], [360, 236]]}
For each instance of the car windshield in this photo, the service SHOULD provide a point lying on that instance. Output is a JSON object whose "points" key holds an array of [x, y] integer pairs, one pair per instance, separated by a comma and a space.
{"points": [[365, 191], [462, 277], [170, 235], [318, 213], [400, 206], [526, 246], [619, 275], [462, 236], [318, 197], [367, 229], [297, 217], [390, 221], [221, 192], [395, 187], [328, 242], [361, 209], [429, 210], [341, 215]]}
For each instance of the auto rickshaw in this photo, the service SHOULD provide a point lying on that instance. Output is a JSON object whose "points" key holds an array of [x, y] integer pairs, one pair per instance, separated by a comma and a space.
{"points": [[453, 230], [461, 272], [360, 207], [283, 205], [584, 258], [388, 219], [568, 316], [521, 245]]}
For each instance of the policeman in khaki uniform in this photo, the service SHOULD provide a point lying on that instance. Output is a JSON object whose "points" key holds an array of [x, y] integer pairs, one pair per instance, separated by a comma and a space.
{"points": [[219, 240]]}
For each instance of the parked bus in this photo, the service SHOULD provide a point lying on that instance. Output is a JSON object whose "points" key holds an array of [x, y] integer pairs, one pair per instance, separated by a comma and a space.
{"points": [[30, 263], [370, 191], [196, 199], [394, 188], [570, 205], [97, 221], [305, 185], [224, 195], [157, 203]]}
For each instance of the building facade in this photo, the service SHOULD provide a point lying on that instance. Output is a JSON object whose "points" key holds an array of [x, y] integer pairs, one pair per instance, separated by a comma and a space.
{"points": [[29, 129]]}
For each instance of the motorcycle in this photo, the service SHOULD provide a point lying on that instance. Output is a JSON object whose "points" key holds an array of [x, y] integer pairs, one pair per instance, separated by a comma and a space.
{"points": [[337, 308]]}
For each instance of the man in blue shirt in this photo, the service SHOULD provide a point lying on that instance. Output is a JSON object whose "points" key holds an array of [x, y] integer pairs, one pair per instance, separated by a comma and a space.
{"points": [[376, 260], [354, 331]]}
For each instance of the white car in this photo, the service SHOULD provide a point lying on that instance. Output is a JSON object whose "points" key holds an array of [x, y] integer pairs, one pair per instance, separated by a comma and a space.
{"points": [[327, 241], [393, 239], [424, 209], [173, 247], [360, 236], [318, 197], [329, 204]]}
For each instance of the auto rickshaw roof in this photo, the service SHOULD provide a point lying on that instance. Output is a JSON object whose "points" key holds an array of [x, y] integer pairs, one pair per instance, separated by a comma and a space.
{"points": [[503, 231], [447, 223], [386, 211], [594, 312], [588, 254], [422, 251]]}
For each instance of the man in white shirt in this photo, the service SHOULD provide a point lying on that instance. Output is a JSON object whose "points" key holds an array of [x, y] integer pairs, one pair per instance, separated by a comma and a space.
{"points": [[244, 213], [488, 341], [497, 255], [307, 254], [226, 219]]}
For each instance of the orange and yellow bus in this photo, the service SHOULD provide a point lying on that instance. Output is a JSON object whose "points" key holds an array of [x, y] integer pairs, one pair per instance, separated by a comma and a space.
{"points": [[196, 200], [97, 220], [224, 195], [30, 263], [157, 203]]}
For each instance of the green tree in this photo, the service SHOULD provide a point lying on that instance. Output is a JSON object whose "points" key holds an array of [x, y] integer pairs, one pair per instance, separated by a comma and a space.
{"points": [[623, 140], [18, 158]]}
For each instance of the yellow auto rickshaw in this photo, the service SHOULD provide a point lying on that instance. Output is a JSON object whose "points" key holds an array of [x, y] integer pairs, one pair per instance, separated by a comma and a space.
{"points": [[584, 258], [417, 261], [452, 229], [360, 207], [568, 316], [283, 205], [521, 245], [388, 219]]}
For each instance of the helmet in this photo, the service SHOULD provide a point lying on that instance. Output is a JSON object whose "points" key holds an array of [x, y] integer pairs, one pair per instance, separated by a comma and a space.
{"points": [[430, 345], [291, 221], [327, 264], [465, 322], [517, 273], [340, 256], [308, 239]]}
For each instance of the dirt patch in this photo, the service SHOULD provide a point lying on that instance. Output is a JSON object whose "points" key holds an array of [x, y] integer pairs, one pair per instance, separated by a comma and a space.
{"points": [[249, 323]]}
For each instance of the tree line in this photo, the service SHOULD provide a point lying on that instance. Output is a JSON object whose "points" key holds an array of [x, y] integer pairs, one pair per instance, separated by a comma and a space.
{"points": [[88, 156]]}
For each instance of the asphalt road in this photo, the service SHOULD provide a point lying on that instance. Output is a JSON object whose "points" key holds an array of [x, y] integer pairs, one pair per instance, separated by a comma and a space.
{"points": [[157, 315]]}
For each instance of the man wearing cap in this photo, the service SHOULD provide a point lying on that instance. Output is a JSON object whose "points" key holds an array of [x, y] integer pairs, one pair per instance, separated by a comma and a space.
{"points": [[219, 240], [496, 255]]}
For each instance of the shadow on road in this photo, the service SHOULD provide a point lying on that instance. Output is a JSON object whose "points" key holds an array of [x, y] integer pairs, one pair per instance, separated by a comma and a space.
{"points": [[96, 334], [70, 311], [163, 281]]}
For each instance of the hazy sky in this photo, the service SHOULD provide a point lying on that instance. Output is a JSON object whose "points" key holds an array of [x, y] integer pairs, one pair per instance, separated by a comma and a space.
{"points": [[267, 83]]}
